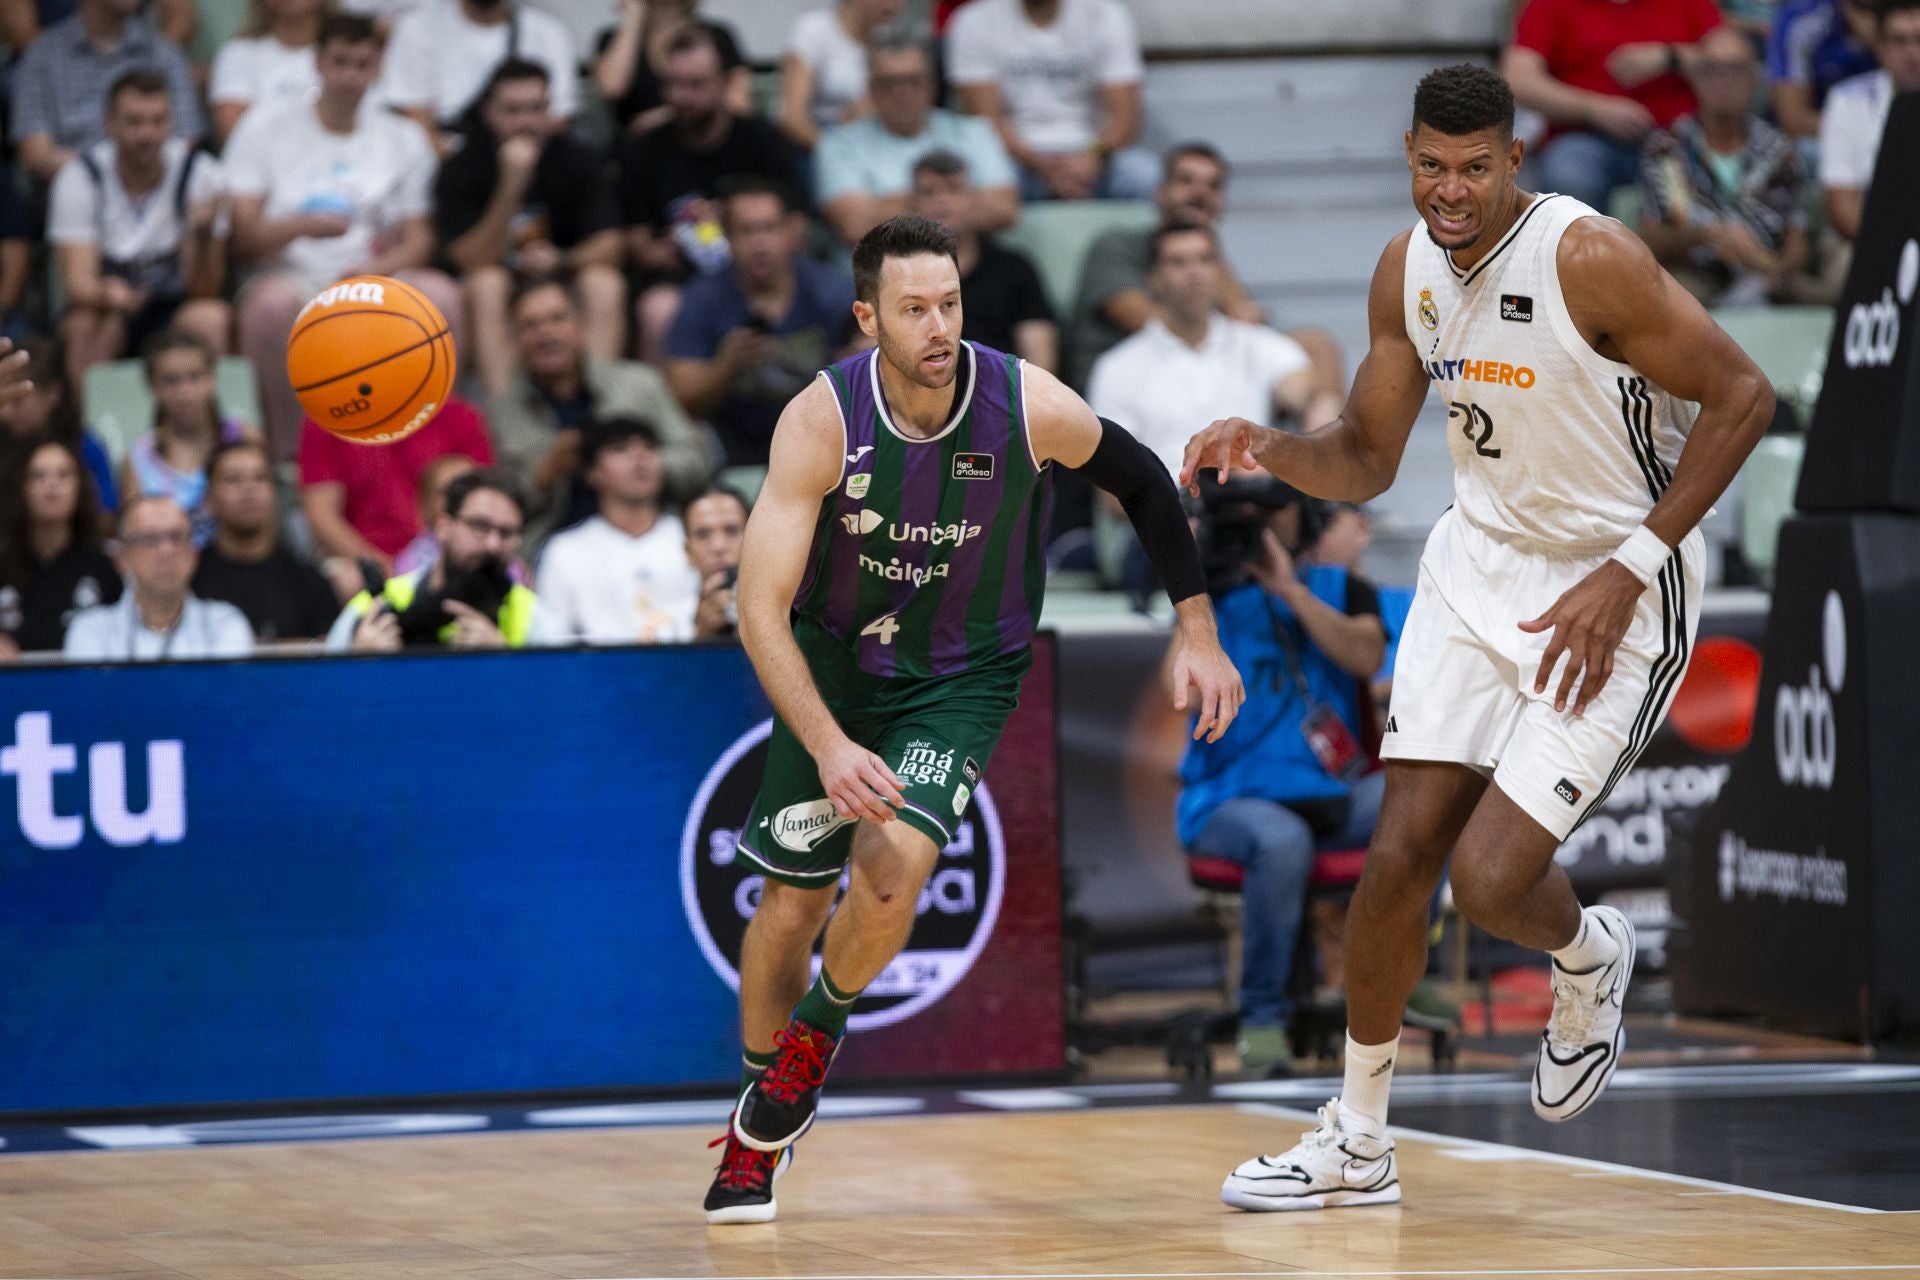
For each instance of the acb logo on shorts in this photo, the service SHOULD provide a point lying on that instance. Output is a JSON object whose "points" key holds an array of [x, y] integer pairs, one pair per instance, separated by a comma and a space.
{"points": [[719, 890]]}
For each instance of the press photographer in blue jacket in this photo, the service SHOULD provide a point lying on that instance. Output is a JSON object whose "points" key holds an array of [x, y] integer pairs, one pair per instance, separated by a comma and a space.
{"points": [[1290, 776]]}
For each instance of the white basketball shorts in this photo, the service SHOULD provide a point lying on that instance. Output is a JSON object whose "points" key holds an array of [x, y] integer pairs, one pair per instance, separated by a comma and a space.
{"points": [[1463, 681]]}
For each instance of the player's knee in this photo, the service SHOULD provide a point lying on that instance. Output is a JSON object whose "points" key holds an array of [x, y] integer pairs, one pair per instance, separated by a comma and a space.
{"points": [[1482, 891], [787, 908], [890, 867], [1399, 872]]}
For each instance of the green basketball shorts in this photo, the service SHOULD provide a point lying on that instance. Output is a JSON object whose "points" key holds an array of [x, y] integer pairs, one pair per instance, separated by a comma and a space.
{"points": [[935, 734]]}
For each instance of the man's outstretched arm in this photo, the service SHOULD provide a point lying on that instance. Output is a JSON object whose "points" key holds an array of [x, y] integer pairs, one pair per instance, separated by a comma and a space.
{"points": [[1065, 430], [1632, 311], [1355, 457], [803, 467]]}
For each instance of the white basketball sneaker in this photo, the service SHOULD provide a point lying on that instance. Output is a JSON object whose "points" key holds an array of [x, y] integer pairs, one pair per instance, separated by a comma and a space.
{"points": [[1330, 1168], [1582, 1043]]}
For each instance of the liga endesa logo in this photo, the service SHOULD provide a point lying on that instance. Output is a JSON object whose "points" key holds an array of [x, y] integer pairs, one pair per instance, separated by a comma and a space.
{"points": [[720, 890]]}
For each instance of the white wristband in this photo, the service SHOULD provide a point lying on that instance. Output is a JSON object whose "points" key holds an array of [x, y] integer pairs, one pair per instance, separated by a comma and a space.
{"points": [[1642, 554]]}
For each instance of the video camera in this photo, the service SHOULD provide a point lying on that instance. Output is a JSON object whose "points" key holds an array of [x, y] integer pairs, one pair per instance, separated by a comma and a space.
{"points": [[1233, 521]]}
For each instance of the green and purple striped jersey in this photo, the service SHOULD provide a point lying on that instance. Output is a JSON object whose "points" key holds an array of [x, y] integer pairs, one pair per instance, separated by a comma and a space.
{"points": [[930, 555]]}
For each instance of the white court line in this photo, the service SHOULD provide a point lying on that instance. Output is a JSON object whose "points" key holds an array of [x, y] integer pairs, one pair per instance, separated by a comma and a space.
{"points": [[1478, 1147], [1348, 1275]]}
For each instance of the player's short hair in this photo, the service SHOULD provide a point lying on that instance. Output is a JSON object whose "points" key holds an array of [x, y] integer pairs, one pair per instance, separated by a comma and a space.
{"points": [[606, 433], [729, 189], [1887, 8], [141, 501], [141, 80], [228, 448], [895, 43], [941, 163], [1156, 242], [348, 28], [1463, 99], [526, 288], [714, 489], [490, 479], [903, 236], [1204, 150], [174, 338], [512, 70], [694, 36]]}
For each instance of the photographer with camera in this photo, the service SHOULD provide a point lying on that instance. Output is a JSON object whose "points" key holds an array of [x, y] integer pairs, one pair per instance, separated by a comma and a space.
{"points": [[1289, 777], [466, 599], [716, 521]]}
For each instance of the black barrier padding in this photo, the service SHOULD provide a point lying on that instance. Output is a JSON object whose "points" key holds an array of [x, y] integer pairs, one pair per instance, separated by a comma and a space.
{"points": [[1799, 897], [1863, 452]]}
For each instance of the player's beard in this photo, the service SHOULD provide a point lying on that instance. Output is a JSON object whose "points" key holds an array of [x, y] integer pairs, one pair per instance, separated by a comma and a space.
{"points": [[906, 361]]}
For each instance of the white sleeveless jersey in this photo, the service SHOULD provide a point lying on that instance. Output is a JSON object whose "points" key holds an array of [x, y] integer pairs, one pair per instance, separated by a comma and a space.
{"points": [[1555, 447]]}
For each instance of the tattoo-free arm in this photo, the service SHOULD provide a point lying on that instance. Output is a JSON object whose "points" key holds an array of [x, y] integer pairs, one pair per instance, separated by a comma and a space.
{"points": [[1355, 457], [1636, 313], [804, 465]]}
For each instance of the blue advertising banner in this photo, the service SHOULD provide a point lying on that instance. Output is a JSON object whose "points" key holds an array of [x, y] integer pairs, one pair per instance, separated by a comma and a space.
{"points": [[337, 878]]}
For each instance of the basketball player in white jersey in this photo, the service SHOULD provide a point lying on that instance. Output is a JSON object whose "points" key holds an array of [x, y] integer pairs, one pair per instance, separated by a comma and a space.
{"points": [[1594, 412]]}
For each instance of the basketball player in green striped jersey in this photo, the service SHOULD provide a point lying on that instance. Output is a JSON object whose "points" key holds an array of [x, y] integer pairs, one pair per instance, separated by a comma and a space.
{"points": [[889, 588]]}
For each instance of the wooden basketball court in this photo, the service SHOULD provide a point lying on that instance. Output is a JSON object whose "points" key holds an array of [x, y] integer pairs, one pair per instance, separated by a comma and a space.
{"points": [[1107, 1193]]}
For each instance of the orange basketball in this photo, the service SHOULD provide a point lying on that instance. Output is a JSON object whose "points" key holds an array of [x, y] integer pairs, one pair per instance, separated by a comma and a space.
{"points": [[371, 359]]}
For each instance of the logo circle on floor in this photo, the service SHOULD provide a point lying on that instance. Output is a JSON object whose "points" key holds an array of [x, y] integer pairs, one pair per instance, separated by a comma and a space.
{"points": [[956, 913]]}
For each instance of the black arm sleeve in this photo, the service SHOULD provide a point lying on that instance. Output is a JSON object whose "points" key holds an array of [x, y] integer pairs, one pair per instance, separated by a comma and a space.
{"points": [[1126, 469]]}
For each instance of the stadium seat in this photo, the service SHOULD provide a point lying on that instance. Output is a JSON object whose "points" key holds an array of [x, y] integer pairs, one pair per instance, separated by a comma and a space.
{"points": [[1624, 204], [118, 408], [748, 480], [220, 21], [1788, 343], [1767, 482], [1056, 234]]}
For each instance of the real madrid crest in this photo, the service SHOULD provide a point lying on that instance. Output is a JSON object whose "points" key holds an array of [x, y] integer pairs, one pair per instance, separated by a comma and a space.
{"points": [[1429, 314]]}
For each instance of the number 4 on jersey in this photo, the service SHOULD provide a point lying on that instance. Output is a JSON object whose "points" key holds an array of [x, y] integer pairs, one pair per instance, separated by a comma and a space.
{"points": [[884, 627]]}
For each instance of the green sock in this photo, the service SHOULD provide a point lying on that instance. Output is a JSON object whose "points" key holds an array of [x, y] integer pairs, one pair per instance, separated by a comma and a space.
{"points": [[825, 1006], [753, 1065]]}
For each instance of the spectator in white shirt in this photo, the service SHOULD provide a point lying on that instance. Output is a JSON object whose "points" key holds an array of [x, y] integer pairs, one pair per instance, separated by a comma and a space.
{"points": [[137, 224], [1060, 80], [158, 617], [320, 191], [1856, 115], [268, 62], [823, 74], [1192, 364], [621, 576], [384, 12], [444, 52]]}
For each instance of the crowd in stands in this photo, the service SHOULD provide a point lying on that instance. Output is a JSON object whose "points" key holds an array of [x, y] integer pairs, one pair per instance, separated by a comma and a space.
{"points": [[643, 259]]}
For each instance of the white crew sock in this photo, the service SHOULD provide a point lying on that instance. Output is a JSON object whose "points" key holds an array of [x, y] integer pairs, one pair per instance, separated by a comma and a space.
{"points": [[1591, 948], [1369, 1076]]}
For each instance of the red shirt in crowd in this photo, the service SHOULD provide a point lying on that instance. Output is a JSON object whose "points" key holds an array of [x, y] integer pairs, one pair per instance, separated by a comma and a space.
{"points": [[1575, 37], [383, 480], [943, 14]]}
